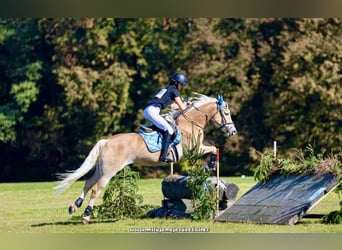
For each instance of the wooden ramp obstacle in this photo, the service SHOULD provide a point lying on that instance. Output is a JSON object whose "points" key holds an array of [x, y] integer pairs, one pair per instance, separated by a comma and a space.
{"points": [[281, 199]]}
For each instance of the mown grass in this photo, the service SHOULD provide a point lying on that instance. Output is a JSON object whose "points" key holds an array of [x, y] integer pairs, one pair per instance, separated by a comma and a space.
{"points": [[34, 208]]}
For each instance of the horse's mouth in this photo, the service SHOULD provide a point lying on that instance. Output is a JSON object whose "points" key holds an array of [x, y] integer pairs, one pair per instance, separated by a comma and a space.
{"points": [[229, 130]]}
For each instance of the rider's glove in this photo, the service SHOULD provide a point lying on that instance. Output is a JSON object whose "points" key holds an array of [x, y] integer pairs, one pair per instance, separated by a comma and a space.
{"points": [[187, 101]]}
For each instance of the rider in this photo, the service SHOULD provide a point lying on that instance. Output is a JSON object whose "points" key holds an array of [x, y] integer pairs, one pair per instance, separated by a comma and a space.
{"points": [[162, 100]]}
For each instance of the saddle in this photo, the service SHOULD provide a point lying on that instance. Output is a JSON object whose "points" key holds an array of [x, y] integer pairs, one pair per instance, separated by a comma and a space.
{"points": [[152, 135]]}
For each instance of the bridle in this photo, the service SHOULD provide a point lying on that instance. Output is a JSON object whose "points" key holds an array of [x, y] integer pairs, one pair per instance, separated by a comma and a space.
{"points": [[221, 105]]}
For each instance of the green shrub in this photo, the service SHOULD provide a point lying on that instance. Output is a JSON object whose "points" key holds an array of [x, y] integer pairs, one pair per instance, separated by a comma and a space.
{"points": [[266, 164], [334, 217], [121, 198], [204, 196]]}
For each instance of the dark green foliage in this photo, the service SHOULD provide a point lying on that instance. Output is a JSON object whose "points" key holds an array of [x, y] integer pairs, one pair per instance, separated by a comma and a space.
{"points": [[66, 82], [334, 217], [21, 72], [121, 198]]}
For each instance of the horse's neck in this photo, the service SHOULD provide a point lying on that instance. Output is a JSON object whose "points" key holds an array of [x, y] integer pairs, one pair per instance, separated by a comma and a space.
{"points": [[195, 120]]}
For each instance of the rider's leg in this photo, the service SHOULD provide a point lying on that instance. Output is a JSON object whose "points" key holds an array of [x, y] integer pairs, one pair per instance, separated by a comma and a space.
{"points": [[153, 115], [165, 146]]}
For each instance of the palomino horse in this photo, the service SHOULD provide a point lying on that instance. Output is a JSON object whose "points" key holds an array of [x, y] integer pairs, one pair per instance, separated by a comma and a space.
{"points": [[111, 155]]}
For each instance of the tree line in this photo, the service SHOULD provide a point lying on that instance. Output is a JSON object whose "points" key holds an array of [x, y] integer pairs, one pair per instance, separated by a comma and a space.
{"points": [[67, 82]]}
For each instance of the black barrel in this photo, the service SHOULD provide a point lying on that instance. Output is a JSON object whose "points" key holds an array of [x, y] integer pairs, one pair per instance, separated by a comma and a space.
{"points": [[175, 187]]}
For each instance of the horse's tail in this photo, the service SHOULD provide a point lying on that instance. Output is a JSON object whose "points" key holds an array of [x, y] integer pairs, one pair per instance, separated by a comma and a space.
{"points": [[67, 179]]}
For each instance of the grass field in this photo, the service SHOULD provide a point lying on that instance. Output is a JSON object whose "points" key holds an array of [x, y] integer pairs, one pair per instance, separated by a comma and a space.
{"points": [[34, 208]]}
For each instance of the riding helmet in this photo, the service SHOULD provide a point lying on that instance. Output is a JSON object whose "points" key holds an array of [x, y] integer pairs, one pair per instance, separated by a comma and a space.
{"points": [[179, 77]]}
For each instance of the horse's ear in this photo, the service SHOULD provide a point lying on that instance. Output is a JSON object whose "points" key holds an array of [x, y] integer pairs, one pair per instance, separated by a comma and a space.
{"points": [[221, 102], [220, 99]]}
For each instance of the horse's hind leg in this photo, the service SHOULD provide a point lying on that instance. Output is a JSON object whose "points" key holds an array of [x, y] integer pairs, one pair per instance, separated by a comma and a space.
{"points": [[87, 186], [114, 157], [96, 191]]}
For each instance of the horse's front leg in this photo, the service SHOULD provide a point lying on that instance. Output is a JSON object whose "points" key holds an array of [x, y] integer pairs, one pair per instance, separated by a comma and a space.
{"points": [[213, 151], [207, 149]]}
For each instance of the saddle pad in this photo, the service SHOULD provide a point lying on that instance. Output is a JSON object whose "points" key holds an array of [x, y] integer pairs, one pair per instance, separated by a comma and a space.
{"points": [[153, 140]]}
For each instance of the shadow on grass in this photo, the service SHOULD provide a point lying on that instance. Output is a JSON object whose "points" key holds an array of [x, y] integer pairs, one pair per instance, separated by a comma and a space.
{"points": [[75, 221], [311, 219], [78, 220]]}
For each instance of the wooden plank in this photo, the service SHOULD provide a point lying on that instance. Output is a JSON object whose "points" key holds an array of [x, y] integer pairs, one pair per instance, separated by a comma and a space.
{"points": [[281, 199]]}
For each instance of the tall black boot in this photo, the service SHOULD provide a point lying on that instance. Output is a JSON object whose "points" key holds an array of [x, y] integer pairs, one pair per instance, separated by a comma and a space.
{"points": [[165, 146]]}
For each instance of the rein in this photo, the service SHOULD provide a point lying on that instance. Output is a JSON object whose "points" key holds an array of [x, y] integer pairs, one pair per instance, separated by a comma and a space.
{"points": [[207, 117]]}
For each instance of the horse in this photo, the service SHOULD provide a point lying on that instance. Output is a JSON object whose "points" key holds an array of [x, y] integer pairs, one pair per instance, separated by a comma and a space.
{"points": [[111, 155]]}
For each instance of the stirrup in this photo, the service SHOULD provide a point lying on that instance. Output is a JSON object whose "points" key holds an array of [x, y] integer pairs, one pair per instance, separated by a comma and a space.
{"points": [[165, 159]]}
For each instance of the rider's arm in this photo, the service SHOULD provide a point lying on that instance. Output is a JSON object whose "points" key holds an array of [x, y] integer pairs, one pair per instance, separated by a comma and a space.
{"points": [[180, 103]]}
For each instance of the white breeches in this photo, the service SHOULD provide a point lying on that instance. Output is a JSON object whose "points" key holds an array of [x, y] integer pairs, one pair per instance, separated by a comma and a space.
{"points": [[152, 114]]}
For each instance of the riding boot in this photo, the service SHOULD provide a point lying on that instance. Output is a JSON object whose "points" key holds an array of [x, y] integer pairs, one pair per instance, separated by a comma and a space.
{"points": [[165, 146]]}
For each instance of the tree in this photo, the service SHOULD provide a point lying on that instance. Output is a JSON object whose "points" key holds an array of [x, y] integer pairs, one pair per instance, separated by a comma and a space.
{"points": [[20, 77], [66, 82], [308, 98]]}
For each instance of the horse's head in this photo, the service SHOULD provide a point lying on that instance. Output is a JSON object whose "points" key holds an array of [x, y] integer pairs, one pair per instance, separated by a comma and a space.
{"points": [[222, 117], [205, 109]]}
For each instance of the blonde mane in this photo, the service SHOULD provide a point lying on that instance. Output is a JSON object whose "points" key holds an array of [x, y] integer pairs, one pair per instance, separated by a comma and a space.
{"points": [[197, 101], [201, 99]]}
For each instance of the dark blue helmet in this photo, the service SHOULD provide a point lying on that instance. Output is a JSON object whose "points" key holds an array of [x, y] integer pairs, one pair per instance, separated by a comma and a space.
{"points": [[179, 77]]}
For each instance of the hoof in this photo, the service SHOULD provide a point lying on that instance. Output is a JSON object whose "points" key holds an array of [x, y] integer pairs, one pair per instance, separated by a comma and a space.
{"points": [[72, 209], [86, 220]]}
